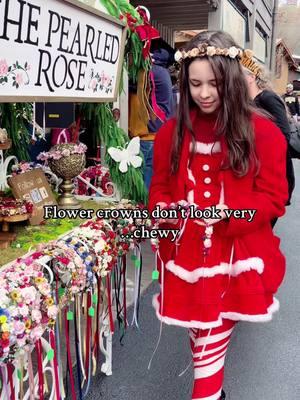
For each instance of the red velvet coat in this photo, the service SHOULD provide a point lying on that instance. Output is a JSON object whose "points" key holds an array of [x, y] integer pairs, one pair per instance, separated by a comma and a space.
{"points": [[243, 289]]}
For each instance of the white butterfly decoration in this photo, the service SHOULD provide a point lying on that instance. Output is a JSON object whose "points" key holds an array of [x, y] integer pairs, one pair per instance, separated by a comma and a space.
{"points": [[127, 156]]}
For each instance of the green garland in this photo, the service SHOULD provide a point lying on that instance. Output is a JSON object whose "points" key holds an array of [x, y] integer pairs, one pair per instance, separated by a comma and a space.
{"points": [[13, 117], [134, 60], [106, 131]]}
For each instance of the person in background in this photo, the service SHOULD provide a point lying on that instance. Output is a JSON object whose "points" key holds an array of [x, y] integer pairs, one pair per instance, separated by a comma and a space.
{"points": [[216, 155], [266, 99], [292, 102], [162, 103]]}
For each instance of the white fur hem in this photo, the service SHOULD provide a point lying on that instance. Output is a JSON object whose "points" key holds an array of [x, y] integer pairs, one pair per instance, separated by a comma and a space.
{"points": [[184, 324], [274, 307], [234, 316], [253, 263]]}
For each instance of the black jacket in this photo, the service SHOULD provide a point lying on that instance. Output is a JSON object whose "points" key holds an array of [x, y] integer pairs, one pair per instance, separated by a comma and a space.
{"points": [[291, 100]]}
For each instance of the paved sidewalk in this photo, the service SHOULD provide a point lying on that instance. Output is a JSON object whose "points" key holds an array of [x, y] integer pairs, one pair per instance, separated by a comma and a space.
{"points": [[263, 362]]}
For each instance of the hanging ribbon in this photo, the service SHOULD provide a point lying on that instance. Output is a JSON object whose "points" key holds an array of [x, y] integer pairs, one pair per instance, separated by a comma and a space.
{"points": [[10, 370], [157, 110], [111, 321], [69, 357], [39, 351], [77, 343], [124, 290], [55, 365], [30, 376]]}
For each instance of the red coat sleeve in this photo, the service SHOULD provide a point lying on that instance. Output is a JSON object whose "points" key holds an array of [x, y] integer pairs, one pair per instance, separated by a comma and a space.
{"points": [[269, 192], [160, 183]]}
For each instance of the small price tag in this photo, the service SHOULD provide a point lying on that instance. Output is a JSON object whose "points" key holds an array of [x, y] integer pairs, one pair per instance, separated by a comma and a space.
{"points": [[61, 291], [50, 354], [70, 315], [91, 312], [133, 257], [95, 298], [155, 275], [137, 263], [19, 374]]}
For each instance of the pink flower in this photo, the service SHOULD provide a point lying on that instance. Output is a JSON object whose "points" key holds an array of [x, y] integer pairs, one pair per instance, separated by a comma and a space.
{"points": [[52, 311], [66, 153], [19, 79], [19, 327], [37, 332], [36, 316], [56, 155], [23, 310], [94, 84], [3, 68], [28, 294]]}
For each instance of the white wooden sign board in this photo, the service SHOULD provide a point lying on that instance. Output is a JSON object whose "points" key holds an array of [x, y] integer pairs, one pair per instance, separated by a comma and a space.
{"points": [[59, 50]]}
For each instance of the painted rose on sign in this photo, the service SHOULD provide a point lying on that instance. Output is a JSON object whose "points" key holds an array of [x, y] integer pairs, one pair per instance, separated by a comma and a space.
{"points": [[15, 74], [101, 82]]}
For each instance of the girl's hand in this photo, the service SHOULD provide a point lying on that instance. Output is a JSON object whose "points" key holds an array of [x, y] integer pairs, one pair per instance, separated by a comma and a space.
{"points": [[212, 221], [163, 205]]}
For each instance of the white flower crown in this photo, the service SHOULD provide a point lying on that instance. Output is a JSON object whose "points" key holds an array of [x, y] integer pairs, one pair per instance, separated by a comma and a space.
{"points": [[205, 50]]}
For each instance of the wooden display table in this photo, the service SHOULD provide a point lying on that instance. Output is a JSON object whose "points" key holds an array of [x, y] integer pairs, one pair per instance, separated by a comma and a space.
{"points": [[7, 237]]}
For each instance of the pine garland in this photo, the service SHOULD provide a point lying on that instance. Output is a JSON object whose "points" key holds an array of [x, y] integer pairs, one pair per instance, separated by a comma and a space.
{"points": [[13, 117], [106, 130]]}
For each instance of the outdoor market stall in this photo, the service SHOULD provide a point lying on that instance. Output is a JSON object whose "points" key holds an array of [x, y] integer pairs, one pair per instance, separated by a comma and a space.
{"points": [[65, 51]]}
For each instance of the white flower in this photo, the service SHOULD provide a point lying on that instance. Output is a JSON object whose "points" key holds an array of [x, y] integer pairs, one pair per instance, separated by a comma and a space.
{"points": [[233, 52], [99, 246], [178, 56], [210, 51]]}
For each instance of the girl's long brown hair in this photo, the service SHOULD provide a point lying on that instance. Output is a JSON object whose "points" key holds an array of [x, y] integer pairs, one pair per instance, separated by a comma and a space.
{"points": [[234, 116]]}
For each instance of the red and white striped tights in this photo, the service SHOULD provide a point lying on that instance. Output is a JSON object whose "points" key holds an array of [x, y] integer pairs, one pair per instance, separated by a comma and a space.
{"points": [[209, 348]]}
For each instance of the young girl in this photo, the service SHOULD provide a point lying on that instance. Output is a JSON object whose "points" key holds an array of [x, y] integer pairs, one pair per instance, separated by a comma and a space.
{"points": [[218, 153]]}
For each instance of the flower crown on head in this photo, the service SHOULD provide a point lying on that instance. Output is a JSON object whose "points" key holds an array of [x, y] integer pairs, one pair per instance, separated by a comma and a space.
{"points": [[205, 50], [248, 62]]}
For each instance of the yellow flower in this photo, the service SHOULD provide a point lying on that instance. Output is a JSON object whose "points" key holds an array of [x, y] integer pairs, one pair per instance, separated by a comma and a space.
{"points": [[3, 319], [49, 301], [15, 295], [106, 247], [39, 280], [5, 328], [28, 324]]}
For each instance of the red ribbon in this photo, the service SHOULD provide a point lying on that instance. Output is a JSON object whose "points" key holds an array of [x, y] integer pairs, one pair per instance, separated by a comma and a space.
{"points": [[111, 321], [157, 110], [124, 291], [39, 352], [88, 334], [52, 344], [10, 370], [73, 392]]}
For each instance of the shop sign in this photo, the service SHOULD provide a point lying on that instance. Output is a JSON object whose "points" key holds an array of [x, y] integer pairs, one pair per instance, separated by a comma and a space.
{"points": [[58, 50]]}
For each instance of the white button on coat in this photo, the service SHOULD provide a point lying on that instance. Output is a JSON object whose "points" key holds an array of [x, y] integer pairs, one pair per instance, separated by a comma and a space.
{"points": [[205, 167], [207, 180], [207, 194]]}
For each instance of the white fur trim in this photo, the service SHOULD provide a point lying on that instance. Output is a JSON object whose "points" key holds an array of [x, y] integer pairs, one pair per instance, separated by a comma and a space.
{"points": [[252, 263], [191, 176], [206, 148], [234, 316], [184, 324], [274, 307]]}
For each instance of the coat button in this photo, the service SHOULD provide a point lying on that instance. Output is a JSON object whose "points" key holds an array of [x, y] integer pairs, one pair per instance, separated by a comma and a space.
{"points": [[205, 167], [207, 180], [207, 194]]}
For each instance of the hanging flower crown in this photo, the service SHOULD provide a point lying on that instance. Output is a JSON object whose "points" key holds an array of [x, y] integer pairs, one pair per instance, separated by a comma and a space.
{"points": [[205, 50]]}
